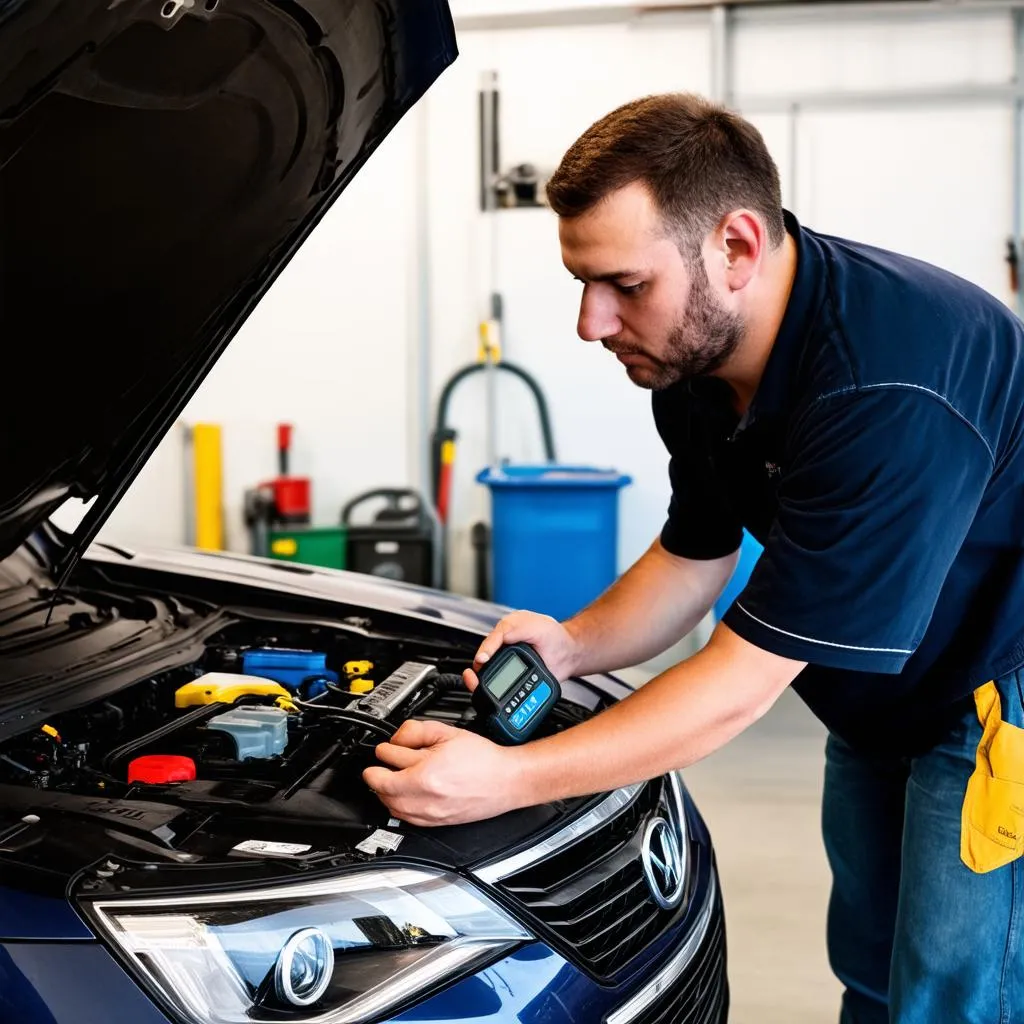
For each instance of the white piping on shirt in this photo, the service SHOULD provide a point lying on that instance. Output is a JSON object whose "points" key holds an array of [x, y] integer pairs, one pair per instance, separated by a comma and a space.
{"points": [[926, 391], [824, 643]]}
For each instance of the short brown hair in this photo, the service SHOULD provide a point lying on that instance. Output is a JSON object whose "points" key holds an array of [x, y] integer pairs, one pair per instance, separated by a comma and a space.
{"points": [[698, 160]]}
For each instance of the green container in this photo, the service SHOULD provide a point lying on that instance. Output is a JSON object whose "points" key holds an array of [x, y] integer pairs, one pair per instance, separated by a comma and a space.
{"points": [[311, 545]]}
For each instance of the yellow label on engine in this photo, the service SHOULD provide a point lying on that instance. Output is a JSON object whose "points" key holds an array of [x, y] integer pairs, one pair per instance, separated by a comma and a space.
{"points": [[225, 688], [360, 686]]}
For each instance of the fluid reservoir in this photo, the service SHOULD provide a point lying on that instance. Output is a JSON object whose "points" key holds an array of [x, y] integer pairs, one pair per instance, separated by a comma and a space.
{"points": [[287, 666], [225, 688], [257, 731]]}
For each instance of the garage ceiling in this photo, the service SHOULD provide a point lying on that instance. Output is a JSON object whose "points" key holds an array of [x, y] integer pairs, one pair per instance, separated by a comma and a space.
{"points": [[484, 14]]}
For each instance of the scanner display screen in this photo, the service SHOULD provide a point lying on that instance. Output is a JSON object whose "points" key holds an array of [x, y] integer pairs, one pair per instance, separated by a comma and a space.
{"points": [[507, 676]]}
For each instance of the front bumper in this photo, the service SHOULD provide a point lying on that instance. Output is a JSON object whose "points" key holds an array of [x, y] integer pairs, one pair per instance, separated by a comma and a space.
{"points": [[683, 980]]}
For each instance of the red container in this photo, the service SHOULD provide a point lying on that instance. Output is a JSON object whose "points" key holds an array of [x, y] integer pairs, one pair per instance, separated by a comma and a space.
{"points": [[158, 769], [291, 498]]}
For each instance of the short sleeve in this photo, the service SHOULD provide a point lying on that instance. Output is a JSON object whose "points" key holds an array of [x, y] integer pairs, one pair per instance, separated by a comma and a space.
{"points": [[700, 523], [882, 490]]}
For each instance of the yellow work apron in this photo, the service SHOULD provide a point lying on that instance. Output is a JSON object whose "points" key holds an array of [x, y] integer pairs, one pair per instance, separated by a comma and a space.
{"points": [[992, 824]]}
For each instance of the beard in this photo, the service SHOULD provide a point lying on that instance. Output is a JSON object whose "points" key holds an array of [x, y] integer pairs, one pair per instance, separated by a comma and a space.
{"points": [[699, 344]]}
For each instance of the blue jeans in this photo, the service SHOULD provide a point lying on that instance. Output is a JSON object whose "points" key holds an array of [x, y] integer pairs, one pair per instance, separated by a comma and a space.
{"points": [[913, 934]]}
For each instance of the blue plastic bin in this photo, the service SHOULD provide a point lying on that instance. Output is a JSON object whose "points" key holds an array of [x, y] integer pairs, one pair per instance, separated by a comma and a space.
{"points": [[555, 533]]}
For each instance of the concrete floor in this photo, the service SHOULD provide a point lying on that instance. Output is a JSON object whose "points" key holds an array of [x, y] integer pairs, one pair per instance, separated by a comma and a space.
{"points": [[761, 799]]}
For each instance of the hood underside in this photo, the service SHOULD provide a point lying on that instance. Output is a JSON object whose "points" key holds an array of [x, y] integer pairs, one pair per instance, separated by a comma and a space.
{"points": [[160, 162]]}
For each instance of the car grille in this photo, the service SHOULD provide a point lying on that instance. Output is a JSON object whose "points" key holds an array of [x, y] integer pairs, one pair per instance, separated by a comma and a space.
{"points": [[701, 995], [591, 897]]}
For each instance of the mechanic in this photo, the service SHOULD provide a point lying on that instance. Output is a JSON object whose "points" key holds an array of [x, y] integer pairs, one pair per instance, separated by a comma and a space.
{"points": [[860, 413]]}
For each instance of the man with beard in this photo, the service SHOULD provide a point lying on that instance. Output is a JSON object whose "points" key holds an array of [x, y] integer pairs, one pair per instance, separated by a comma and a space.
{"points": [[860, 413]]}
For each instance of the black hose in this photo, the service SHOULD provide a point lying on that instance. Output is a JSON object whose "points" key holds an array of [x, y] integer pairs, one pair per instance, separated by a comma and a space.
{"points": [[342, 692], [385, 729], [448, 682], [442, 432]]}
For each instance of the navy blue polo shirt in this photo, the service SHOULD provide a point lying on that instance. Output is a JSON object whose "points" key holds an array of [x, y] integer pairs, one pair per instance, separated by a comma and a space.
{"points": [[881, 465]]}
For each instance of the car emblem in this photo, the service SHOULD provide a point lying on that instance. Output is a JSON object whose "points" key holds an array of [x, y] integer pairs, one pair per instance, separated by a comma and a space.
{"points": [[663, 864]]}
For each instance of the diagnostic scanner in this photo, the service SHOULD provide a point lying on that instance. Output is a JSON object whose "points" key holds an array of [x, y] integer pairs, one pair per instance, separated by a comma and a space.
{"points": [[516, 692]]}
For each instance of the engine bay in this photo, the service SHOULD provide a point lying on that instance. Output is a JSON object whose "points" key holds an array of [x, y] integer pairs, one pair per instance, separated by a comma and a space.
{"points": [[272, 718]]}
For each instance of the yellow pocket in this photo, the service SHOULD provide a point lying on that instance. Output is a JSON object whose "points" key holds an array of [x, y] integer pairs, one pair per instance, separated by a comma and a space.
{"points": [[992, 824]]}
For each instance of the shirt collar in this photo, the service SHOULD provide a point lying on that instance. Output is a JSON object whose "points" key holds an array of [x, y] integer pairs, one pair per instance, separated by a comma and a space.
{"points": [[774, 391]]}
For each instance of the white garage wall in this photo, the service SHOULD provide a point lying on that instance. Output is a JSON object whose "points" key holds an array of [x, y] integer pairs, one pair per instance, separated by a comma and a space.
{"points": [[554, 82], [327, 349], [834, 52], [931, 179], [332, 347], [932, 183]]}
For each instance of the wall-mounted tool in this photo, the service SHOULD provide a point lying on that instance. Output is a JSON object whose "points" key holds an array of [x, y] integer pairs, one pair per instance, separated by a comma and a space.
{"points": [[521, 185]]}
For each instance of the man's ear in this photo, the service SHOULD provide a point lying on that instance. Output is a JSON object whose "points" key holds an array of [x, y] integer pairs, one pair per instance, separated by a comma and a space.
{"points": [[744, 240]]}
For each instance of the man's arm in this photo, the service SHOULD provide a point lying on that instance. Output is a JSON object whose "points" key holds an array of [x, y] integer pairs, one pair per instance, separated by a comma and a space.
{"points": [[444, 775], [653, 605], [676, 719]]}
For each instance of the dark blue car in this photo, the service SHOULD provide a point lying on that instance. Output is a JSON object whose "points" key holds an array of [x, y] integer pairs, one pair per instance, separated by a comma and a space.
{"points": [[184, 831]]}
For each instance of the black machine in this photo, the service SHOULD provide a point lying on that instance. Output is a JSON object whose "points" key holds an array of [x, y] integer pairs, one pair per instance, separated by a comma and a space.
{"points": [[399, 543], [516, 692]]}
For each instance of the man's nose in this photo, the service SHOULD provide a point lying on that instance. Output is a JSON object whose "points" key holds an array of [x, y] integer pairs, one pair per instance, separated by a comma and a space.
{"points": [[598, 316]]}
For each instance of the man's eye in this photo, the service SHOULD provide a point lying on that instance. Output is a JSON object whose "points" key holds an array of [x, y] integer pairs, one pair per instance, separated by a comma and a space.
{"points": [[631, 289]]}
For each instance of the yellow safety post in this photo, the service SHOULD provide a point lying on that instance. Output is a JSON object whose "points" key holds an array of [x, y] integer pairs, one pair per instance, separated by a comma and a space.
{"points": [[206, 448]]}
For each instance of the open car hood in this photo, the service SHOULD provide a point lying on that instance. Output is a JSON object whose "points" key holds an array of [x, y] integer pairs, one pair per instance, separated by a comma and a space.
{"points": [[160, 162]]}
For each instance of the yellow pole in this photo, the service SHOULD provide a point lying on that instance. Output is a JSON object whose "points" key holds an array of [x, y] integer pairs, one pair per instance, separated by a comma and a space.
{"points": [[206, 447]]}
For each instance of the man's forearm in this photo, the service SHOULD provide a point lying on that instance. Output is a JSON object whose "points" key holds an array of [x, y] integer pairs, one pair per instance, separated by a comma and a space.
{"points": [[676, 719], [656, 603]]}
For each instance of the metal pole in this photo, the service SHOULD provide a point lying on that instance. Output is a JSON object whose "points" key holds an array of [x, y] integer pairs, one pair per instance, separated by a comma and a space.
{"points": [[188, 472], [794, 156], [419, 418], [490, 167], [1018, 143]]}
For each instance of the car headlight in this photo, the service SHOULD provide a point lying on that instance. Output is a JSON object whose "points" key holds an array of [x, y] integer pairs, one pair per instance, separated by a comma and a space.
{"points": [[328, 952]]}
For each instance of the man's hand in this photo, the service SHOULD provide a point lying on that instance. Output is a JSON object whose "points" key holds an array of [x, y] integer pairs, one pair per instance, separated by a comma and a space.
{"points": [[555, 644], [442, 775]]}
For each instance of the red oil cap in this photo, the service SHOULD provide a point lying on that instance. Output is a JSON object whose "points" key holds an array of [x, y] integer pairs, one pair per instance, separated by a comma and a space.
{"points": [[161, 768]]}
